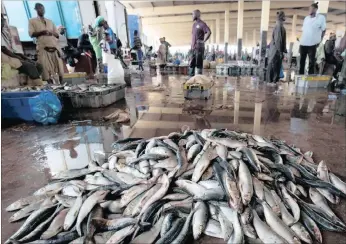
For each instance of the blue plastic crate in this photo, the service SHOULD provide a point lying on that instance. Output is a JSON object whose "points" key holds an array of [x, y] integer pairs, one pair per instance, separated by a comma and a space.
{"points": [[43, 106]]}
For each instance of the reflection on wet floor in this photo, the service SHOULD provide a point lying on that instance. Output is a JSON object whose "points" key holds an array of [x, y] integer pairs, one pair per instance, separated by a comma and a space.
{"points": [[310, 120]]}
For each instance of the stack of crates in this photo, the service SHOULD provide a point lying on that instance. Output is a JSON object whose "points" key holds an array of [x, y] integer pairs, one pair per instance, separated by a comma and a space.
{"points": [[234, 70], [222, 69], [197, 91]]}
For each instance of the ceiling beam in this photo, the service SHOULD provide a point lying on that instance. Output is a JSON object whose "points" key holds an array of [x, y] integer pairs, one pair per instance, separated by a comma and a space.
{"points": [[218, 7], [152, 4]]}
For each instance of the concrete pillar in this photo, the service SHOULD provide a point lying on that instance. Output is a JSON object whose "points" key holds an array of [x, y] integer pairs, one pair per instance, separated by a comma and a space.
{"points": [[212, 29], [226, 36], [265, 13], [236, 107], [257, 118], [293, 39], [226, 53], [240, 27], [323, 7], [254, 40], [217, 23], [294, 28], [246, 43]]}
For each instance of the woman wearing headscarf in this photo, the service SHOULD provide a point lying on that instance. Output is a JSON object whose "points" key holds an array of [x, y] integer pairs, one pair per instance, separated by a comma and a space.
{"points": [[277, 49], [95, 38]]}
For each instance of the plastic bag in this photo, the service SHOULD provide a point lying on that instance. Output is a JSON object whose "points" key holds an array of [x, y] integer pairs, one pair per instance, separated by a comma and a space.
{"points": [[45, 108], [115, 73]]}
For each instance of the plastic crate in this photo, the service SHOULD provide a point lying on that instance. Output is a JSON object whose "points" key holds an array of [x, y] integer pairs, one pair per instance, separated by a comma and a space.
{"points": [[197, 91], [91, 99], [312, 81], [234, 70], [42, 106]]}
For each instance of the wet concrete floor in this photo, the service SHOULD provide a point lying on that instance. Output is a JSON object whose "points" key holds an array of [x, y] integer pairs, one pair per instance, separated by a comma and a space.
{"points": [[310, 120]]}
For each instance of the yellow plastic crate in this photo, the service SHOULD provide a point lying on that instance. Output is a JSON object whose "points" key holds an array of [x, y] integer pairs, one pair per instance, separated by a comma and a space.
{"points": [[75, 75]]}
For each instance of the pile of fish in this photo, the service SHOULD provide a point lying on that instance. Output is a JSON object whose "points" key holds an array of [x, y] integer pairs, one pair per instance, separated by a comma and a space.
{"points": [[237, 187]]}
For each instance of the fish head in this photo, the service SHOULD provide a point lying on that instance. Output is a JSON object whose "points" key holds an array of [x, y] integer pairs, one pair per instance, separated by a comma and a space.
{"points": [[246, 199], [101, 194]]}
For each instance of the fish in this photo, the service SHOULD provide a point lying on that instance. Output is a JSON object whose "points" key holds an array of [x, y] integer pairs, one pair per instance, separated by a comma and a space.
{"points": [[233, 217], [264, 232], [278, 225], [312, 227], [113, 224], [87, 206], [291, 203], [213, 229], [337, 182], [245, 183], [26, 211], [72, 213], [167, 223], [252, 158], [120, 235], [173, 232], [150, 235], [226, 226], [230, 185], [35, 218], [200, 219], [26, 201], [56, 226]]}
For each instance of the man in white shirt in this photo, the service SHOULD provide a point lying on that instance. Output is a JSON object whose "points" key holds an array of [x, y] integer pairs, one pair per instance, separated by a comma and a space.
{"points": [[314, 27]]}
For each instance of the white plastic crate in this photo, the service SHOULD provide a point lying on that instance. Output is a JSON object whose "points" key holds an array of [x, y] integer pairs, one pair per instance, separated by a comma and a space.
{"points": [[312, 81]]}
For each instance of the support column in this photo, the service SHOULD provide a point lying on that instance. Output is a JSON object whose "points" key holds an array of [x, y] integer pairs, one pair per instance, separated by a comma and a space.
{"points": [[212, 29], [246, 43], [254, 40], [226, 36], [240, 27], [293, 39], [323, 7], [225, 60], [217, 23], [265, 13]]}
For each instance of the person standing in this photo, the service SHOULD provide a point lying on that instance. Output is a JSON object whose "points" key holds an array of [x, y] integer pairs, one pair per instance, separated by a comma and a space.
{"points": [[137, 45], [167, 45], [16, 60], [277, 49], [200, 34], [48, 50], [314, 27], [95, 37], [332, 56]]}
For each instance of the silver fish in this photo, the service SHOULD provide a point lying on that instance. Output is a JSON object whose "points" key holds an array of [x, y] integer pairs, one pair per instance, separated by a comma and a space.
{"points": [[87, 206], [245, 183], [200, 219], [264, 232], [56, 226], [72, 214]]}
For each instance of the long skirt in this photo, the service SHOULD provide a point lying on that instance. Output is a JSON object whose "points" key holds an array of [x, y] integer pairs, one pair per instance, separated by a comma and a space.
{"points": [[273, 69]]}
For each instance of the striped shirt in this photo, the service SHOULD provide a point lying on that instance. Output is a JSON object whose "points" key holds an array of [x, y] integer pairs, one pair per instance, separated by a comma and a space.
{"points": [[137, 42]]}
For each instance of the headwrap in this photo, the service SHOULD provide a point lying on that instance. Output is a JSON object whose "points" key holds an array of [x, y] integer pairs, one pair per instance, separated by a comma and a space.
{"points": [[315, 5], [280, 15], [98, 20]]}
